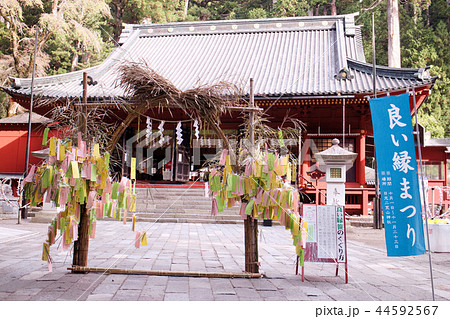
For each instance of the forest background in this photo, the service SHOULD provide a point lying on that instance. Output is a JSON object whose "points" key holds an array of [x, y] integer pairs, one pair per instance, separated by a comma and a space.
{"points": [[76, 34]]}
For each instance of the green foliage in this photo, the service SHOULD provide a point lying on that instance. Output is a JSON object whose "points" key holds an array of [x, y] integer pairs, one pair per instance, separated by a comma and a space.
{"points": [[257, 13], [3, 104], [290, 8], [83, 31]]}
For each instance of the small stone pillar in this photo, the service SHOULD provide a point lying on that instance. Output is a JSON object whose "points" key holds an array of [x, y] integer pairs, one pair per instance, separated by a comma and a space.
{"points": [[337, 160]]}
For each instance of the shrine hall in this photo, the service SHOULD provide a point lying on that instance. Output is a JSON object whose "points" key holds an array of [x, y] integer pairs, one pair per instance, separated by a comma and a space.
{"points": [[309, 68]]}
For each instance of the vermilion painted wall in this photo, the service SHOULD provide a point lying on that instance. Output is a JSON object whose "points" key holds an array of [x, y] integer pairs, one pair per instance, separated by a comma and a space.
{"points": [[13, 141]]}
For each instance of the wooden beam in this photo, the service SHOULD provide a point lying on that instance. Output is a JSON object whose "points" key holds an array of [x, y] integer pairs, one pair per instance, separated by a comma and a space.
{"points": [[164, 272]]}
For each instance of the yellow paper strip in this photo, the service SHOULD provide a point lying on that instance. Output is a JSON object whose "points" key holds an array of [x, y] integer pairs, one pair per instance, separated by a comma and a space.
{"points": [[144, 238], [96, 151], [52, 147], [75, 171], [133, 168], [62, 152]]}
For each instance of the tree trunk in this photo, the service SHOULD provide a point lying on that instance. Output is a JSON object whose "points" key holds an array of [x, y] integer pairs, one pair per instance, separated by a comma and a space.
{"points": [[54, 7], [394, 59], [75, 57], [186, 7], [333, 8]]}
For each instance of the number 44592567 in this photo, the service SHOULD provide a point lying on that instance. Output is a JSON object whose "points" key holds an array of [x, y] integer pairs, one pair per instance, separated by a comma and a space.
{"points": [[407, 310]]}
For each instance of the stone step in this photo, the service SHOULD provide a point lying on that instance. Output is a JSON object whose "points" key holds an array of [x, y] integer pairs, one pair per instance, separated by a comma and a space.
{"points": [[360, 221], [186, 220], [189, 216], [185, 191]]}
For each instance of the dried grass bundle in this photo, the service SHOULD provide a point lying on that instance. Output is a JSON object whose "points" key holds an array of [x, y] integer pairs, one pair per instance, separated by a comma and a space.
{"points": [[69, 121], [141, 84], [146, 88]]}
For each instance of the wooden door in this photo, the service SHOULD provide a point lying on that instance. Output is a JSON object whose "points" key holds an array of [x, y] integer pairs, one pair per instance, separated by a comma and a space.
{"points": [[182, 161]]}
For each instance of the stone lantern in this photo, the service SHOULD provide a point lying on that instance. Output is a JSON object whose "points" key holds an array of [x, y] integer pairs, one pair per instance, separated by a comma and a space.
{"points": [[337, 160]]}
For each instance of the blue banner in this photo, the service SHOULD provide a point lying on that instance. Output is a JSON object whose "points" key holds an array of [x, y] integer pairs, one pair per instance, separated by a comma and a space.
{"points": [[398, 176]]}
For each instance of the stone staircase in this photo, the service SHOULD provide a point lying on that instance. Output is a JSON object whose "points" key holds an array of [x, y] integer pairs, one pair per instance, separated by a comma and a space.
{"points": [[180, 205]]}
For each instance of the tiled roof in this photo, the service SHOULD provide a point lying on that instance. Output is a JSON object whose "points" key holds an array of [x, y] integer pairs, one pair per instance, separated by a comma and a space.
{"points": [[23, 119], [286, 57]]}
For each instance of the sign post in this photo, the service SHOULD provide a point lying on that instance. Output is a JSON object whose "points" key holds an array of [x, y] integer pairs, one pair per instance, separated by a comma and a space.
{"points": [[399, 184], [326, 236]]}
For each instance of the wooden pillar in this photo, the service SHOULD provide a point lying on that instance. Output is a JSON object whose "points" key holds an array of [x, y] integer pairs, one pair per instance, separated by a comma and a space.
{"points": [[305, 160], [251, 245], [446, 198], [365, 202], [251, 224], [81, 245], [361, 161]]}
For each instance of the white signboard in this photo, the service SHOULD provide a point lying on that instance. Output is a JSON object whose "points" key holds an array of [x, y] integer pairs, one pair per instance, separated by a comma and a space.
{"points": [[326, 232]]}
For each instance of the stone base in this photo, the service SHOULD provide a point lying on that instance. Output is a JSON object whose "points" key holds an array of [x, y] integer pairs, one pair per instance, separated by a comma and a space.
{"points": [[43, 216]]}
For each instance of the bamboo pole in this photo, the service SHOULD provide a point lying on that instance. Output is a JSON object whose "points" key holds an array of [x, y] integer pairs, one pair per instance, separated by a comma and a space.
{"points": [[250, 224], [164, 272], [81, 245]]}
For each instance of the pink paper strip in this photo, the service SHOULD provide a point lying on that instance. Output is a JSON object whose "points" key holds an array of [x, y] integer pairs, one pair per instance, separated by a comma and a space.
{"points": [[248, 170], [242, 211], [64, 193], [93, 228], [99, 209], [223, 157], [206, 189], [108, 186], [232, 201], [304, 235], [125, 217], [259, 196], [90, 201], [30, 175], [240, 186], [52, 159], [214, 207], [48, 195], [123, 184], [75, 231], [137, 242]]}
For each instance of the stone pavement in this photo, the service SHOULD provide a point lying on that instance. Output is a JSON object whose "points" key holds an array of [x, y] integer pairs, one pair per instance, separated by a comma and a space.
{"points": [[209, 247]]}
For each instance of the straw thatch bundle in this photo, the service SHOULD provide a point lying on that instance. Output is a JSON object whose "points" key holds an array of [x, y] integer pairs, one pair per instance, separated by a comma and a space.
{"points": [[142, 84], [145, 88]]}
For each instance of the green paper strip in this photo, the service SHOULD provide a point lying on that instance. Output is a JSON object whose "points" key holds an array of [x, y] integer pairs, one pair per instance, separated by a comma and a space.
{"points": [[46, 179], [93, 173], [115, 188], [271, 161], [249, 207], [280, 136], [108, 209], [62, 225], [107, 155], [117, 212], [45, 137], [69, 170], [302, 257], [214, 183], [220, 203]]}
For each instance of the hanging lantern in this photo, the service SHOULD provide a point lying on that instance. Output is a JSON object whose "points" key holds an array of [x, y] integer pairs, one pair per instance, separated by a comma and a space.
{"points": [[161, 133], [179, 134]]}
